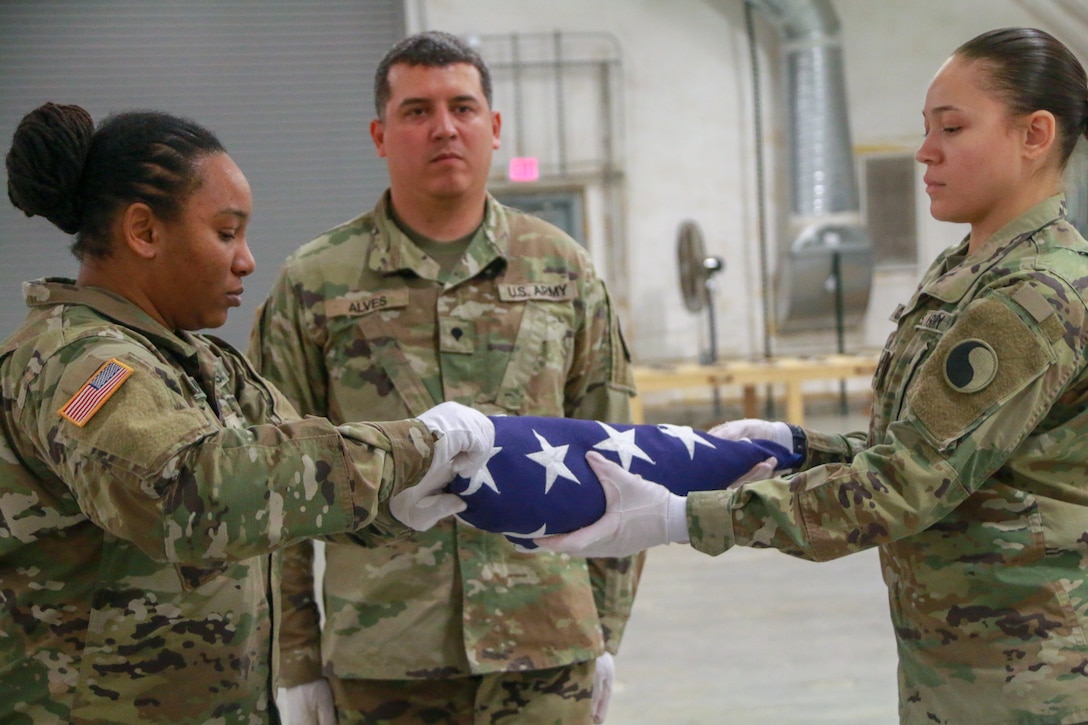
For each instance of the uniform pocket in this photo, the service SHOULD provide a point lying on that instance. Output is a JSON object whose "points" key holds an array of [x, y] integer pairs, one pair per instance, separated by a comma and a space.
{"points": [[535, 376]]}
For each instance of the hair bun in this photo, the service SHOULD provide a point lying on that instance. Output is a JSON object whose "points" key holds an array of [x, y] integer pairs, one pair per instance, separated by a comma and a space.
{"points": [[45, 163]]}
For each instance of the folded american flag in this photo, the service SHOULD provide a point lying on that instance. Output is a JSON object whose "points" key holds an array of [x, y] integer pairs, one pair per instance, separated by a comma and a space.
{"points": [[537, 481]]}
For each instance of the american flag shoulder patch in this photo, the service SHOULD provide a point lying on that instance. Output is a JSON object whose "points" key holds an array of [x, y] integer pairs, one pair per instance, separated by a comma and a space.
{"points": [[96, 391]]}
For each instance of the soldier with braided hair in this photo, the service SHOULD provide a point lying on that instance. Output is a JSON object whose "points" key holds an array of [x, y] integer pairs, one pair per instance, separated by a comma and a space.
{"points": [[147, 473]]}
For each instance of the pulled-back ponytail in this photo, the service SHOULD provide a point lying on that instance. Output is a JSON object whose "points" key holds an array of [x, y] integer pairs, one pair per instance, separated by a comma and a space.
{"points": [[1033, 71], [1084, 120]]}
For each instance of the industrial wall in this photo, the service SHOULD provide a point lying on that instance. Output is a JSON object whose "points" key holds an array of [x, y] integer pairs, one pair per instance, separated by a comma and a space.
{"points": [[690, 144], [656, 126], [285, 84]]}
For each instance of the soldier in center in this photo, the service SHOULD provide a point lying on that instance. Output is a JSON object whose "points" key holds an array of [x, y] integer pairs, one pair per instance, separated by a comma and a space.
{"points": [[442, 293]]}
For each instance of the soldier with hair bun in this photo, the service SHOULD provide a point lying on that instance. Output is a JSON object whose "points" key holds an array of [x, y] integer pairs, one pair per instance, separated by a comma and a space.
{"points": [[147, 472], [973, 476]]}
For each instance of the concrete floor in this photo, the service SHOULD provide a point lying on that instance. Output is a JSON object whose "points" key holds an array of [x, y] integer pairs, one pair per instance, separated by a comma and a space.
{"points": [[754, 637]]}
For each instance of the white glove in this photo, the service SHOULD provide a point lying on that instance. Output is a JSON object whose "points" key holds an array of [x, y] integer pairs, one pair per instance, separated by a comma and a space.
{"points": [[749, 428], [309, 704], [759, 472], [465, 437], [472, 434], [603, 676], [638, 514]]}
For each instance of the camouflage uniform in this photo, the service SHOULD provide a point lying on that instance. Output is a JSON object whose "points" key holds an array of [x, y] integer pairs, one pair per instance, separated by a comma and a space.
{"points": [[360, 322], [973, 481], [134, 549]]}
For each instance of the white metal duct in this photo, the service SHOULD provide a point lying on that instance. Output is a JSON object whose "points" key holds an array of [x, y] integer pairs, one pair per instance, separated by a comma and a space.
{"points": [[825, 273]]}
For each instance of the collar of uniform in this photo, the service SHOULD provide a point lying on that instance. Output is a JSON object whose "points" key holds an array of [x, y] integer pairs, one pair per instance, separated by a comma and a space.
{"points": [[491, 243], [62, 291], [392, 252], [955, 283]]}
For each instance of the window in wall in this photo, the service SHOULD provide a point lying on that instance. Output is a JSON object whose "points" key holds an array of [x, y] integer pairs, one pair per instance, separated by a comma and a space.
{"points": [[561, 208], [889, 187]]}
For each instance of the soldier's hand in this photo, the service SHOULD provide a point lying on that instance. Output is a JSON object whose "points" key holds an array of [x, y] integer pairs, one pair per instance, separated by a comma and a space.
{"points": [[464, 440], [604, 674], [759, 472], [470, 433], [638, 514], [753, 428], [309, 704]]}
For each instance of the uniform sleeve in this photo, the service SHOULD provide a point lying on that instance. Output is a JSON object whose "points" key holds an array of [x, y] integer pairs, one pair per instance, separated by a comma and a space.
{"points": [[822, 448], [154, 468], [600, 388], [600, 384], [285, 353], [300, 619], [987, 385]]}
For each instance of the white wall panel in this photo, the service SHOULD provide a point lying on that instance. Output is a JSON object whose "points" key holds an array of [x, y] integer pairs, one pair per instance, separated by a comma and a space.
{"points": [[690, 143]]}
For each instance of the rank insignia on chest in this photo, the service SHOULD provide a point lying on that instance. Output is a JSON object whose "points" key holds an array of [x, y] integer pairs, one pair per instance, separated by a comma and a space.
{"points": [[95, 392], [970, 366]]}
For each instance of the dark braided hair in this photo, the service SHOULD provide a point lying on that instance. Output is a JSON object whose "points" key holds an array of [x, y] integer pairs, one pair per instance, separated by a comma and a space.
{"points": [[430, 49], [61, 168], [1032, 71]]}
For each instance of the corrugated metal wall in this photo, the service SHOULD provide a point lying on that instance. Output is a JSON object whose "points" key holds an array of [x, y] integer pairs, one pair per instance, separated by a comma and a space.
{"points": [[285, 84]]}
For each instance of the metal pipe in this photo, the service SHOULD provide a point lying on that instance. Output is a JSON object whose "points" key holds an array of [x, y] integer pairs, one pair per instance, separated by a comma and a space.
{"points": [[822, 180], [519, 122], [824, 227], [560, 114]]}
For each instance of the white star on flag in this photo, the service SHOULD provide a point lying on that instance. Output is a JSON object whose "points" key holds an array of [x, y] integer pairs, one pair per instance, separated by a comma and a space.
{"points": [[623, 444], [512, 493], [551, 457], [482, 476], [687, 435]]}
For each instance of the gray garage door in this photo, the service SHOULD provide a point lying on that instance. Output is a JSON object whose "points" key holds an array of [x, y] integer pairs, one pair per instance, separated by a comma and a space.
{"points": [[285, 84]]}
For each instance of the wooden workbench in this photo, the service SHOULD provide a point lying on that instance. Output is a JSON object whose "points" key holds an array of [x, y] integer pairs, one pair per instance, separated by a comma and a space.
{"points": [[789, 371]]}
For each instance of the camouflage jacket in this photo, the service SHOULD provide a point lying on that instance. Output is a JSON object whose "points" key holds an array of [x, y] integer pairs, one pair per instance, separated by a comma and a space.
{"points": [[972, 480], [134, 538], [358, 323]]}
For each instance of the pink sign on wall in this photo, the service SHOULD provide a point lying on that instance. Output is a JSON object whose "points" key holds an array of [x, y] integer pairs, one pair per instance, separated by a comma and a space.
{"points": [[524, 168]]}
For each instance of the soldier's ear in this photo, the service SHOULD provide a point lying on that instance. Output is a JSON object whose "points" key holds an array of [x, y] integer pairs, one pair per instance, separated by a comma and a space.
{"points": [[377, 133], [138, 228], [1039, 133]]}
